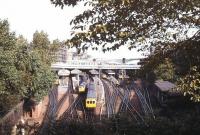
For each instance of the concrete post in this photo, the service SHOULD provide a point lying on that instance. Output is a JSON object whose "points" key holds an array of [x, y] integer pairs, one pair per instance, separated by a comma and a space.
{"points": [[78, 78], [99, 75]]}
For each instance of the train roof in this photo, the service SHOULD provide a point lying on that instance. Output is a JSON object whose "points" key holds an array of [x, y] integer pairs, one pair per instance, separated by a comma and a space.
{"points": [[83, 83], [91, 86], [91, 93]]}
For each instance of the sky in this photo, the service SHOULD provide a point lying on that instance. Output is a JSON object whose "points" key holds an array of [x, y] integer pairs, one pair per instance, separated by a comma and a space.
{"points": [[27, 16]]}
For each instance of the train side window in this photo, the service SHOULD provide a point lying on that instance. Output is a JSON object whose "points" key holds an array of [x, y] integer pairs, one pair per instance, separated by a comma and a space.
{"points": [[93, 102], [90, 102]]}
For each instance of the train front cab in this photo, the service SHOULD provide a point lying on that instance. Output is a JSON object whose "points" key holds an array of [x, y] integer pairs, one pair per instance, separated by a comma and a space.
{"points": [[91, 103], [82, 87]]}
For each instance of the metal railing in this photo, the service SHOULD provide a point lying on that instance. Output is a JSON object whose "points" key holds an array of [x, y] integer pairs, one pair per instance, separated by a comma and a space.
{"points": [[92, 65]]}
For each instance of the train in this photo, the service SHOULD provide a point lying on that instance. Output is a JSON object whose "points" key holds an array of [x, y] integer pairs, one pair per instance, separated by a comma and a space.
{"points": [[91, 99], [82, 87], [82, 83]]}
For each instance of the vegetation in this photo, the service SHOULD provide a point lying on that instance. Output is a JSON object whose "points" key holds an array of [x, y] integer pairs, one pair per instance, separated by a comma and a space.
{"points": [[179, 63], [180, 117], [133, 23], [165, 71], [25, 71], [161, 25], [158, 25]]}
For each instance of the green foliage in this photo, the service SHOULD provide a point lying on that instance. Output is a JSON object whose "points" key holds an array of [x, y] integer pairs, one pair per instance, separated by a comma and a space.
{"points": [[124, 125], [165, 71], [180, 116], [24, 71], [9, 76], [185, 54], [190, 84], [142, 24], [148, 65], [41, 44], [7, 39], [131, 22], [54, 47], [178, 62], [40, 41]]}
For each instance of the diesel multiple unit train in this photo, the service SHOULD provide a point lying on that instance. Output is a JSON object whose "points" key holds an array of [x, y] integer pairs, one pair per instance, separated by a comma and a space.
{"points": [[82, 87], [89, 90], [91, 96]]}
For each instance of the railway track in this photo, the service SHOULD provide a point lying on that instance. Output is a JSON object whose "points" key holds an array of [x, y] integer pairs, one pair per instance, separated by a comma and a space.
{"points": [[49, 117], [125, 100], [126, 105], [108, 99], [77, 104], [144, 100], [77, 110], [114, 98], [134, 113], [53, 108], [62, 100], [69, 113]]}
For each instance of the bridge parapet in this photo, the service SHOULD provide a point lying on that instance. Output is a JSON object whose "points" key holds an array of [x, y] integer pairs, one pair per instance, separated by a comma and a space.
{"points": [[78, 64]]}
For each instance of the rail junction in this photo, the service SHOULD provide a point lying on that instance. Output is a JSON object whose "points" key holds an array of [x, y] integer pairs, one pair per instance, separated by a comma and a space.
{"points": [[112, 99]]}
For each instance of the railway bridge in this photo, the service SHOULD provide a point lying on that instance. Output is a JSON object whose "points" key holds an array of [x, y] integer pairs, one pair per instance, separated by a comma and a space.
{"points": [[131, 64]]}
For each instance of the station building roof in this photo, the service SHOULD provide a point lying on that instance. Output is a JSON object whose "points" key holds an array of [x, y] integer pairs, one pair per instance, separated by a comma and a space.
{"points": [[164, 86]]}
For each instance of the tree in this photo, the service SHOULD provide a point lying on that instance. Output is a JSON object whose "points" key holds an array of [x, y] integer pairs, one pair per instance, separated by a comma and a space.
{"points": [[134, 23], [33, 63], [54, 48], [142, 24], [165, 71], [190, 84], [183, 60], [41, 44], [9, 75], [36, 75], [55, 45], [187, 61], [23, 72], [40, 40]]}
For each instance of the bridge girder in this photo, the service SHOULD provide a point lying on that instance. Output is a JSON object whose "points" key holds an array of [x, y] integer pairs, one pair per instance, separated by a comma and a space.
{"points": [[94, 66]]}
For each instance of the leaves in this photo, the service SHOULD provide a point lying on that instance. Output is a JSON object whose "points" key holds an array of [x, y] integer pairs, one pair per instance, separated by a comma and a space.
{"points": [[109, 21], [190, 84], [24, 69], [165, 71], [177, 62]]}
